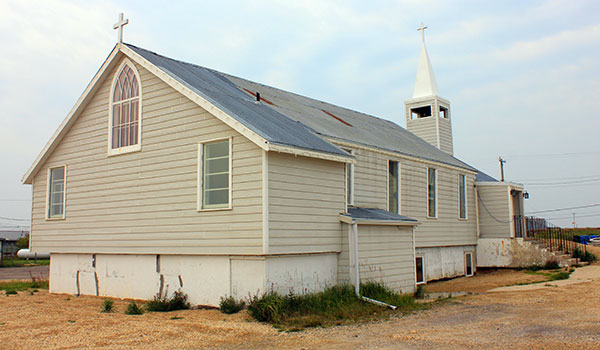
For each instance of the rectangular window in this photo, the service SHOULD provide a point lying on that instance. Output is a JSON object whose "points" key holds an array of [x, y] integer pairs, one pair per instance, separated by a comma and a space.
{"points": [[431, 193], [215, 175], [462, 197], [420, 270], [56, 193], [349, 181], [393, 187], [469, 264]]}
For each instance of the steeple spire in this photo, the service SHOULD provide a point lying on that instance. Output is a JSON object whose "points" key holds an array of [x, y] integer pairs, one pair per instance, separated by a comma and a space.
{"points": [[425, 84]]}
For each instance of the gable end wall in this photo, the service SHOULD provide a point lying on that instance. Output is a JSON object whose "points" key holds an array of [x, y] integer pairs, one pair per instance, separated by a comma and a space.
{"points": [[145, 202]]}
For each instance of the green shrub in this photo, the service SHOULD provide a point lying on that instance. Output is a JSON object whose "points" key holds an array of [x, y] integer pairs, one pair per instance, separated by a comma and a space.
{"points": [[584, 255], [229, 305], [11, 291], [420, 292], [133, 309], [551, 264], [107, 306], [162, 303], [266, 308]]}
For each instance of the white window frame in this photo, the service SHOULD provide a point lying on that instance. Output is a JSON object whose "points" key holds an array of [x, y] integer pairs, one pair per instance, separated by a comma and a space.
{"points": [[349, 167], [132, 148], [48, 193], [472, 266], [466, 200], [423, 267], [435, 172], [398, 185], [200, 179]]}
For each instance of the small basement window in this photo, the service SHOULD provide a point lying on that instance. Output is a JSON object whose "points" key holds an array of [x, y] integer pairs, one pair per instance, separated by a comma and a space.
{"points": [[420, 270], [468, 264], [443, 112], [420, 112]]}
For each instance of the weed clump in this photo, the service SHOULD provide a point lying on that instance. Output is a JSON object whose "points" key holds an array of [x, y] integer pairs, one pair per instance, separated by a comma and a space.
{"points": [[334, 305], [107, 306], [584, 255], [551, 264], [420, 292], [133, 309], [162, 303], [229, 305]]}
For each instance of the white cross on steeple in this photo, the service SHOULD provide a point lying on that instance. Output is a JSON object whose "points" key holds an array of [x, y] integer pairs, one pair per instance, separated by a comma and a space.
{"points": [[422, 29], [120, 24]]}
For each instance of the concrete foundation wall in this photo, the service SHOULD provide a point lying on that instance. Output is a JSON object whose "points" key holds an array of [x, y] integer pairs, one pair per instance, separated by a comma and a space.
{"points": [[205, 279], [301, 274], [510, 252], [445, 262]]}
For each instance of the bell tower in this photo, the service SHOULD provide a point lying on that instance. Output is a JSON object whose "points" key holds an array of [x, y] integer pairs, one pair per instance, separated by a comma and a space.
{"points": [[428, 114]]}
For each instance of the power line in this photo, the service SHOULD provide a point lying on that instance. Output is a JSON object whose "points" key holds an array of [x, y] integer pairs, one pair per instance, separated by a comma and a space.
{"points": [[551, 155], [561, 209], [560, 183], [15, 200], [561, 178], [578, 216], [13, 219]]}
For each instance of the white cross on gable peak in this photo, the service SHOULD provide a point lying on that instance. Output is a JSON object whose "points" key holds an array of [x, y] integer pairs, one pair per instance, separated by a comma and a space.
{"points": [[119, 25]]}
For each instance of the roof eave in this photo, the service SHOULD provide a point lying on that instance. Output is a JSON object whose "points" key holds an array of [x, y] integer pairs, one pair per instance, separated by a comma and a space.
{"points": [[361, 221]]}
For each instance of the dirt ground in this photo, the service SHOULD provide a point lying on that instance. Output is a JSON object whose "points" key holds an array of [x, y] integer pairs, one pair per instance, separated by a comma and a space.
{"points": [[551, 318], [485, 279]]}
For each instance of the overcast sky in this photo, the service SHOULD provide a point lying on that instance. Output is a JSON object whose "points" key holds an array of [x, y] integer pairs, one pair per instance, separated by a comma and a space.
{"points": [[523, 77]]}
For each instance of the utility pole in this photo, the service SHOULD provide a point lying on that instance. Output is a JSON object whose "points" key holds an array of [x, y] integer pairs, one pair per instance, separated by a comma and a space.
{"points": [[574, 222], [502, 161]]}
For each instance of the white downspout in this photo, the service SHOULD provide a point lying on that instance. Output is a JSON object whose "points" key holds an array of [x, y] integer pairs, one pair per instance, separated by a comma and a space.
{"points": [[477, 210], [355, 262], [354, 242]]}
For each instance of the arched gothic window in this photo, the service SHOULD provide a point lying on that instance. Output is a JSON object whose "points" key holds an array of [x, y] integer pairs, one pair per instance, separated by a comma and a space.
{"points": [[125, 110]]}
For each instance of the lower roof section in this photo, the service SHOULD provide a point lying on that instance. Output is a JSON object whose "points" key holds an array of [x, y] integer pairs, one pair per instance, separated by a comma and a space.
{"points": [[374, 216]]}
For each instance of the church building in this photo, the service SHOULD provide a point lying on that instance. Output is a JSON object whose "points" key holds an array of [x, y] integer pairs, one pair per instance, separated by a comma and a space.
{"points": [[167, 175]]}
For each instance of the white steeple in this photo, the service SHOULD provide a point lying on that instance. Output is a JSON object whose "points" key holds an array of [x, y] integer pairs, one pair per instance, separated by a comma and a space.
{"points": [[428, 114], [425, 84]]}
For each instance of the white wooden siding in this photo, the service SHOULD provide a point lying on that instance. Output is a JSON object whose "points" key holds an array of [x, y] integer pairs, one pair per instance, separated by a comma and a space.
{"points": [[425, 128], [446, 135], [385, 254], [445, 230], [145, 202], [306, 196], [496, 200]]}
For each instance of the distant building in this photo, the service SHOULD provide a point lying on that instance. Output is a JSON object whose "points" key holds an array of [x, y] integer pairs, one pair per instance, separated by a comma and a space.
{"points": [[10, 238]]}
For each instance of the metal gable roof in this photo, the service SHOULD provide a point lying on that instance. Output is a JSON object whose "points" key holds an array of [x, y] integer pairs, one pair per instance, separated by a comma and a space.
{"points": [[267, 122], [376, 214], [290, 119]]}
